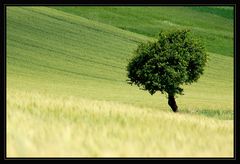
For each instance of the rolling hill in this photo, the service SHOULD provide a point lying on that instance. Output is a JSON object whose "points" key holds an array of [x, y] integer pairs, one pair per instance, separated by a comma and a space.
{"points": [[67, 93]]}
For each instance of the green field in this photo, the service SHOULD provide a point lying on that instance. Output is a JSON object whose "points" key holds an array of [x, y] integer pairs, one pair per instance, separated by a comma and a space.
{"points": [[67, 94]]}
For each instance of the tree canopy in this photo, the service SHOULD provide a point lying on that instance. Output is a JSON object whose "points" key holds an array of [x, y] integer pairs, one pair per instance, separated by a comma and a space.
{"points": [[176, 58]]}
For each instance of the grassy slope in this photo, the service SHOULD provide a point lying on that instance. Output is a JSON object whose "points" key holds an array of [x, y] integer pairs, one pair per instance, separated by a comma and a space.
{"points": [[53, 55], [226, 12], [46, 125], [213, 25]]}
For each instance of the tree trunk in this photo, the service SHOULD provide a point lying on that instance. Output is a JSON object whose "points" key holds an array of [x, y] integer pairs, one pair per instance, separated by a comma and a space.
{"points": [[172, 103]]}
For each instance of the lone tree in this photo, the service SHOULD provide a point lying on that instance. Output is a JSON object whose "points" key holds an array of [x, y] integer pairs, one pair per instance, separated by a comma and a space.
{"points": [[166, 64]]}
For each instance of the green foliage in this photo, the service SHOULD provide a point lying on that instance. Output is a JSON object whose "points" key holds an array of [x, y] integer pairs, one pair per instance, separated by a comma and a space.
{"points": [[173, 60]]}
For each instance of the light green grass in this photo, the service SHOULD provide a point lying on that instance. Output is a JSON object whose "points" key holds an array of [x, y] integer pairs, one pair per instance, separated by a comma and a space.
{"points": [[67, 93], [58, 126]]}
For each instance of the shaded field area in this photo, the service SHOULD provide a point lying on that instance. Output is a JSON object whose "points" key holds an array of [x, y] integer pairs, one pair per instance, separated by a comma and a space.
{"points": [[213, 25]]}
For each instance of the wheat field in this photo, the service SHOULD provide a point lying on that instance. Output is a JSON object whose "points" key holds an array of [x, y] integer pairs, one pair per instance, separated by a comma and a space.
{"points": [[67, 94]]}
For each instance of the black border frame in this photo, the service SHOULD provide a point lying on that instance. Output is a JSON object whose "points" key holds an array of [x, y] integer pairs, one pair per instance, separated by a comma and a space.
{"points": [[236, 59]]}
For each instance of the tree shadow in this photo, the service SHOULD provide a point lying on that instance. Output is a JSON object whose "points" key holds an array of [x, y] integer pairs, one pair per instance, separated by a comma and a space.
{"points": [[213, 113]]}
